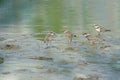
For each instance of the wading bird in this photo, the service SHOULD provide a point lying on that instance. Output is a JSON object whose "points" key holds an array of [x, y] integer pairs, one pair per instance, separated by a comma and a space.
{"points": [[100, 29], [49, 38], [69, 35], [91, 38]]}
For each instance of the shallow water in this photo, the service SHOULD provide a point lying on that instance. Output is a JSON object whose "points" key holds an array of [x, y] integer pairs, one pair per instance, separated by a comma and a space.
{"points": [[33, 61]]}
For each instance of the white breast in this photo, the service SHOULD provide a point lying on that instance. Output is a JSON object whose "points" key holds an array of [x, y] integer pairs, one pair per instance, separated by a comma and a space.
{"points": [[98, 29]]}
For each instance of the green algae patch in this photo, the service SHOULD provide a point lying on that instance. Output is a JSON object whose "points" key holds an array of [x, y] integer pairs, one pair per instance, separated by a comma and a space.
{"points": [[1, 60]]}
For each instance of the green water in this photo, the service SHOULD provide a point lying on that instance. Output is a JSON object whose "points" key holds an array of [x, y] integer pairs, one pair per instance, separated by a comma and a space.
{"points": [[39, 16]]}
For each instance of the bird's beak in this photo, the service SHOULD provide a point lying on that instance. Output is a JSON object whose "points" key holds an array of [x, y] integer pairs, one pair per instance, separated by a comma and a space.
{"points": [[55, 34]]}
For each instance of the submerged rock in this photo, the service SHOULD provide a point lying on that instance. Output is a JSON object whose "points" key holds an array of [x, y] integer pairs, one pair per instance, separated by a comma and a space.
{"points": [[116, 65], [2, 39]]}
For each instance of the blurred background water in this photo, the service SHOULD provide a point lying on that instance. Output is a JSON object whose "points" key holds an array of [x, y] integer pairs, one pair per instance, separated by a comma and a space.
{"points": [[37, 16]]}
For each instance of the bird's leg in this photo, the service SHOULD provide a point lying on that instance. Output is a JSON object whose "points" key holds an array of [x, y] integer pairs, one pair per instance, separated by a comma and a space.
{"points": [[92, 43], [99, 33], [50, 43], [70, 40]]}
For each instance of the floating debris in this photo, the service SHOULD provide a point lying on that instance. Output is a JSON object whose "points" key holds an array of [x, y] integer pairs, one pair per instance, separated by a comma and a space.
{"points": [[9, 47], [72, 49], [83, 77], [104, 47], [5, 73], [42, 58]]}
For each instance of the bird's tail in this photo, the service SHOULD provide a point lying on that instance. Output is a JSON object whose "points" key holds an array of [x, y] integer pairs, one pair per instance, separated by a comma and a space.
{"points": [[107, 30]]}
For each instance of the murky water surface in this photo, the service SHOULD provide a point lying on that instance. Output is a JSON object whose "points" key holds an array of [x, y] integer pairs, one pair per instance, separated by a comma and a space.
{"points": [[25, 57]]}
